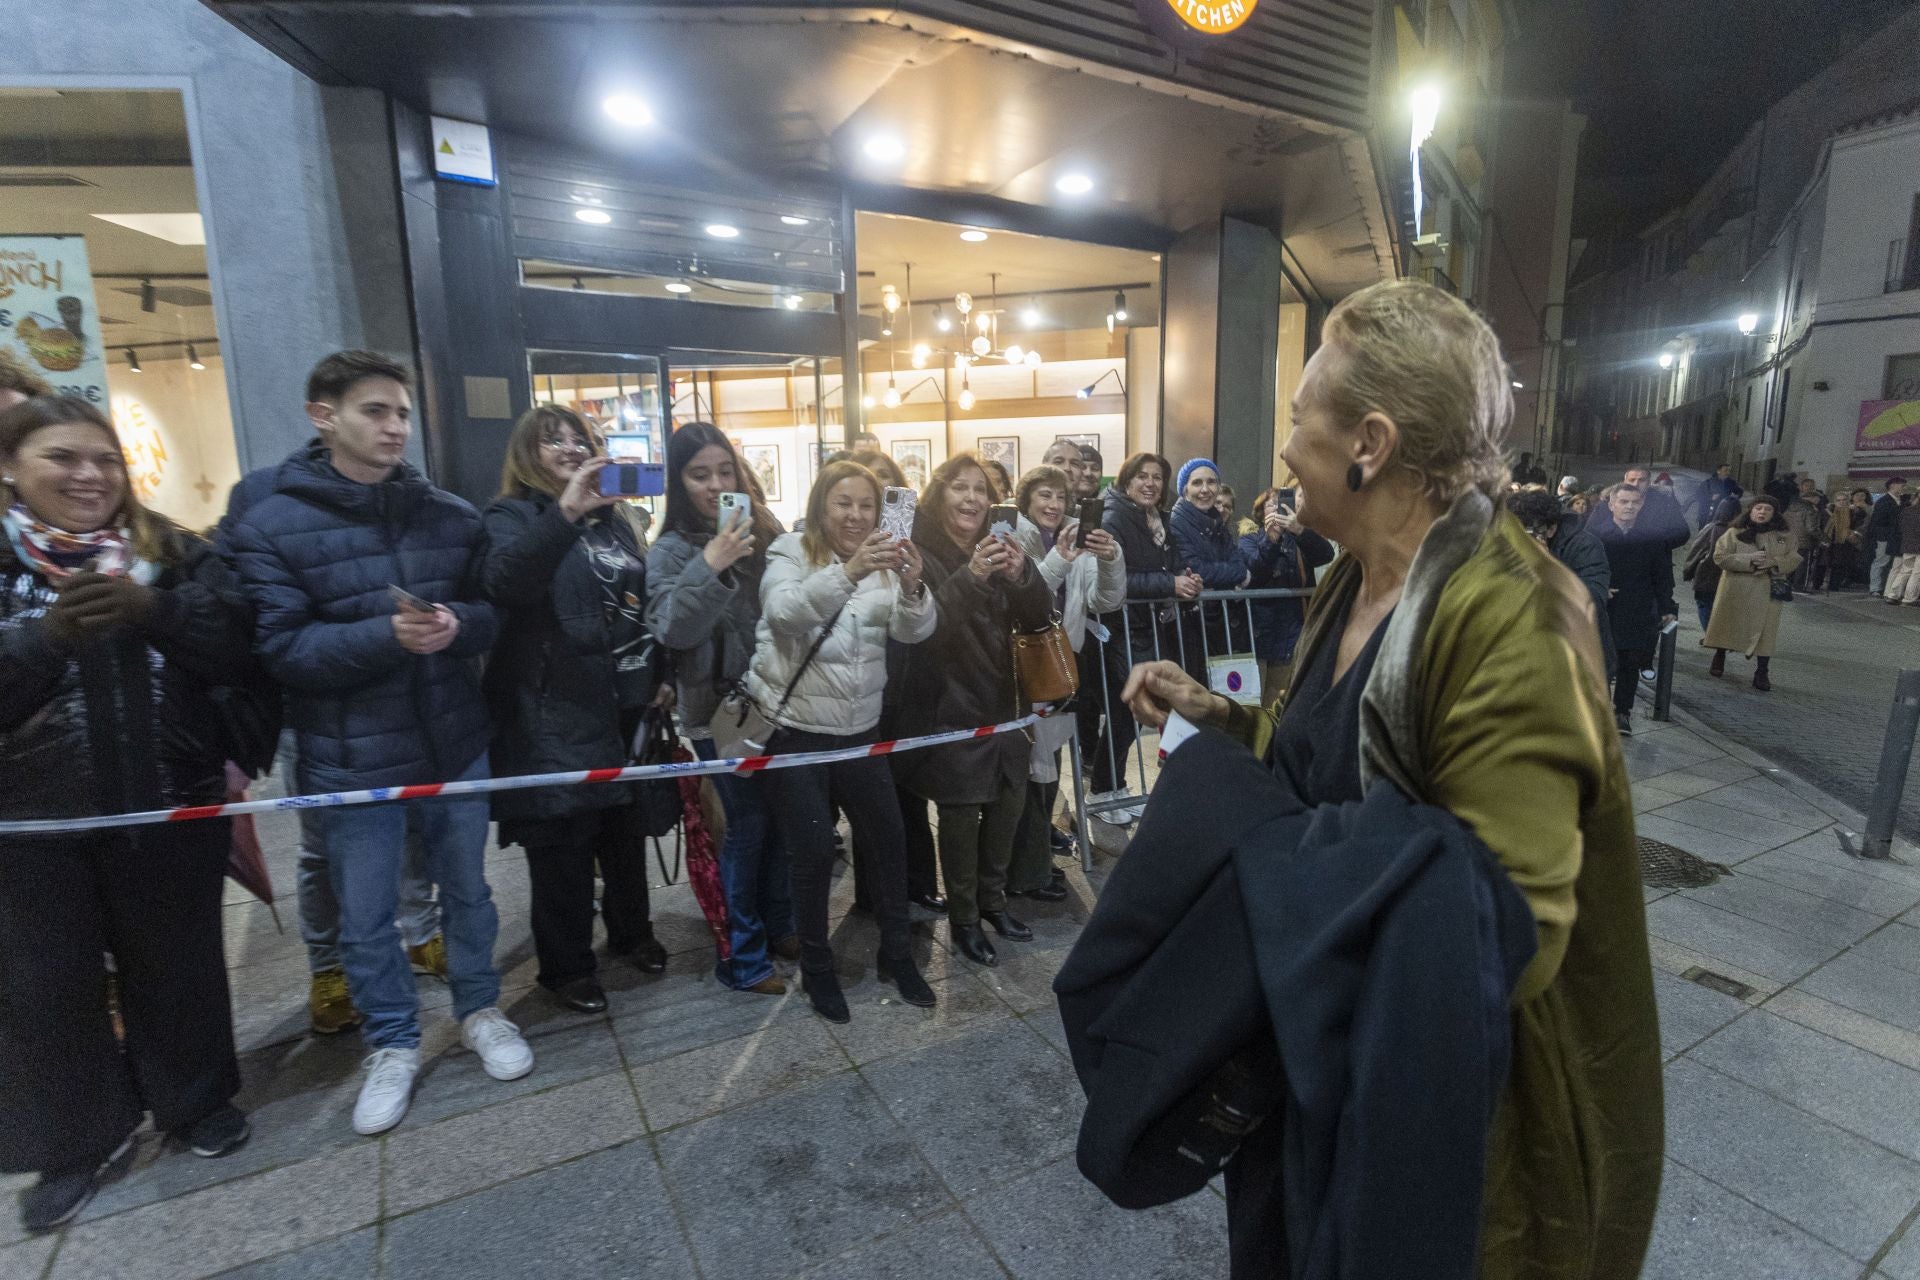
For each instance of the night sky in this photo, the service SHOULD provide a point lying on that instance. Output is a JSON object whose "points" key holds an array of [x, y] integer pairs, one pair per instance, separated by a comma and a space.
{"points": [[1669, 86]]}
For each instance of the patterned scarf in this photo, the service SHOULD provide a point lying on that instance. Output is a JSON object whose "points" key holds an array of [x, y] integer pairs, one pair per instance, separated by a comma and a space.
{"points": [[57, 555]]}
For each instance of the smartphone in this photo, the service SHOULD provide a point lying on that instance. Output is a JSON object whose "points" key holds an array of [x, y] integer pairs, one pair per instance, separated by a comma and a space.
{"points": [[897, 508], [735, 508], [633, 480], [1092, 511], [1002, 518], [407, 602], [1285, 498]]}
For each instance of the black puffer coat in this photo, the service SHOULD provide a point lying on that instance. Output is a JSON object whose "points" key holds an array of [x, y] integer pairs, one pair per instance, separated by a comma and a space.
{"points": [[962, 678], [551, 684], [128, 722], [318, 555], [1152, 568]]}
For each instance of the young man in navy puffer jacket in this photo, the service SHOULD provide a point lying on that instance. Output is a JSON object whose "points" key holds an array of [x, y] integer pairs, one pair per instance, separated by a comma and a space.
{"points": [[381, 693]]}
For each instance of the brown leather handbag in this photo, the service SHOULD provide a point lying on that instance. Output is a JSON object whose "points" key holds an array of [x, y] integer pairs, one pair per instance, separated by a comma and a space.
{"points": [[1043, 664]]}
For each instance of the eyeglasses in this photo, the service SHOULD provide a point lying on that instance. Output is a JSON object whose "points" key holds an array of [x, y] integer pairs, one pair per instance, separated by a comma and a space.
{"points": [[566, 444]]}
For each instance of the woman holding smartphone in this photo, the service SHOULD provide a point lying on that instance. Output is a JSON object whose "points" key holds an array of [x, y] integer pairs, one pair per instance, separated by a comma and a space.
{"points": [[1088, 577], [1283, 553], [831, 599], [984, 586], [703, 604], [571, 675]]}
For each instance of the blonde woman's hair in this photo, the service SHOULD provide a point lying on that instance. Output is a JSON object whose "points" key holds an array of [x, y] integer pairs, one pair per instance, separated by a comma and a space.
{"points": [[1423, 358], [813, 539], [1041, 475]]}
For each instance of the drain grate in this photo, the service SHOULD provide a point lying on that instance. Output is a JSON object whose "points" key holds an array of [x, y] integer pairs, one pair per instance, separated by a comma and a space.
{"points": [[1719, 982], [1664, 867]]}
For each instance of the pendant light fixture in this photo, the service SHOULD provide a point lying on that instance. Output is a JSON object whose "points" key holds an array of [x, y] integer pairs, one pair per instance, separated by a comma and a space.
{"points": [[941, 320], [1120, 305]]}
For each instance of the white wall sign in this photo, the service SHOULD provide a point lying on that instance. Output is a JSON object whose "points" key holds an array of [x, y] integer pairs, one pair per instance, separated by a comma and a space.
{"points": [[462, 151], [47, 315]]}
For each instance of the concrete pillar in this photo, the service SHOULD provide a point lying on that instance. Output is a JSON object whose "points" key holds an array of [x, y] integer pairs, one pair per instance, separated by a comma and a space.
{"points": [[1222, 330]]}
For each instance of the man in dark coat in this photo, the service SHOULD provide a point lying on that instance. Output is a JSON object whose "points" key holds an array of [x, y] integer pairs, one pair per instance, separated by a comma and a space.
{"points": [[1640, 561], [329, 1007], [1565, 535], [1883, 531], [1714, 490], [365, 584], [1660, 516]]}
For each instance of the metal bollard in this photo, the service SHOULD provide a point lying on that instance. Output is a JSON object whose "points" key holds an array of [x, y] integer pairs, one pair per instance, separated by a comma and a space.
{"points": [[1896, 753], [1663, 674]]}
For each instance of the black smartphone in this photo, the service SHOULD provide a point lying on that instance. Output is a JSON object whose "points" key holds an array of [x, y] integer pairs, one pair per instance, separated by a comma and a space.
{"points": [[1002, 519], [1283, 498], [1092, 510], [633, 480]]}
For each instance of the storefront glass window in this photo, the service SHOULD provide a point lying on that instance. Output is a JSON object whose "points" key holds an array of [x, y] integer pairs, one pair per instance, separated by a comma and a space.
{"points": [[104, 288], [692, 287], [1003, 343]]}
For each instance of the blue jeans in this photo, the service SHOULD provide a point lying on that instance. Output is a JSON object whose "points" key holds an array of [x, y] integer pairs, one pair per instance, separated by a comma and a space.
{"points": [[320, 910], [366, 857], [754, 873], [1705, 605]]}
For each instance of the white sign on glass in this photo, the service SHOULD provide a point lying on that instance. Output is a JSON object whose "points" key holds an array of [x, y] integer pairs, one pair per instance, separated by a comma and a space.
{"points": [[48, 319], [462, 151]]}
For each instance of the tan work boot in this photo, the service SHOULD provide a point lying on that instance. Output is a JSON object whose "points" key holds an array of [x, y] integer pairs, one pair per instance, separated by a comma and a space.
{"points": [[329, 1005], [430, 957]]}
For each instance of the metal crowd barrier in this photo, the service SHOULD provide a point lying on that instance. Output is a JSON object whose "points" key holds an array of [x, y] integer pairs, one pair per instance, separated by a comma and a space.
{"points": [[1113, 656]]}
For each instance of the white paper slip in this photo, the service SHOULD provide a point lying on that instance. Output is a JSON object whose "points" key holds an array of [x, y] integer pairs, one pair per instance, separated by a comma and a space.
{"points": [[1177, 731]]}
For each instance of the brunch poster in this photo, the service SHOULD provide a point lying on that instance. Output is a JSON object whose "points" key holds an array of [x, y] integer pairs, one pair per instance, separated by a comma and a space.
{"points": [[47, 315]]}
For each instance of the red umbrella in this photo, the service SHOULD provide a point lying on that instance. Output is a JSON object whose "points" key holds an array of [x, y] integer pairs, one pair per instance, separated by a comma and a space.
{"points": [[246, 864], [703, 862]]}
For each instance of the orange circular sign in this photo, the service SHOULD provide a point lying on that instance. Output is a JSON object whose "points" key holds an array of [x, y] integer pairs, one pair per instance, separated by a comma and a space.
{"points": [[1198, 17]]}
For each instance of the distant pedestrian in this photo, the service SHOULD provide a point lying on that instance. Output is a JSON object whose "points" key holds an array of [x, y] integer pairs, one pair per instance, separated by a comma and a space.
{"points": [[1753, 554], [1903, 584], [1641, 562], [1845, 539], [1699, 567], [1806, 517], [1714, 490], [1883, 532], [1566, 537]]}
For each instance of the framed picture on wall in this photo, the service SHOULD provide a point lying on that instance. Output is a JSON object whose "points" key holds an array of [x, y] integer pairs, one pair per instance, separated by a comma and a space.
{"points": [[1004, 450], [915, 460], [764, 461]]}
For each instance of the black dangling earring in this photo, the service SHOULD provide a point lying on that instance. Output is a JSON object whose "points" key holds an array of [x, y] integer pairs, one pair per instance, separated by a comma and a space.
{"points": [[1355, 477]]}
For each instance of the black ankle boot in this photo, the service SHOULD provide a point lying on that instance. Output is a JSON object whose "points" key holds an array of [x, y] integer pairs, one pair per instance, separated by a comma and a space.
{"points": [[1007, 926], [902, 973], [973, 945], [823, 991]]}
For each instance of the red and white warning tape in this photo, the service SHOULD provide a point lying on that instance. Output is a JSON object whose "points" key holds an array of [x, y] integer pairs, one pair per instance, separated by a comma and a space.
{"points": [[482, 786]]}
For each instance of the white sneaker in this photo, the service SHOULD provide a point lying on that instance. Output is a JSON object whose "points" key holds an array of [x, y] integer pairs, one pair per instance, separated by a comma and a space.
{"points": [[388, 1090], [503, 1050]]}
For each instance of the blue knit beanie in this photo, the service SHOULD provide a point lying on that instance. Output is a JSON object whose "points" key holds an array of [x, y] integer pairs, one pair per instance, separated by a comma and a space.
{"points": [[1180, 487]]}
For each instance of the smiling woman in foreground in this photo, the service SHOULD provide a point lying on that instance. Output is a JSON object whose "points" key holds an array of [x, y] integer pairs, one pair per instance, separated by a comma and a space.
{"points": [[1450, 655]]}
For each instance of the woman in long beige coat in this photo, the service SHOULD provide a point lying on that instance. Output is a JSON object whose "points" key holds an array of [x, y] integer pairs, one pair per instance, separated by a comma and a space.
{"points": [[1758, 548]]}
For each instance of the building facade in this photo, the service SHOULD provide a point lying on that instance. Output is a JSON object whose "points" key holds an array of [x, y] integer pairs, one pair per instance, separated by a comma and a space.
{"points": [[1772, 321]]}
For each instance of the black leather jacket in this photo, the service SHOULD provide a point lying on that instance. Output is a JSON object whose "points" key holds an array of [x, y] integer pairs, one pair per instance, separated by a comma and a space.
{"points": [[129, 721]]}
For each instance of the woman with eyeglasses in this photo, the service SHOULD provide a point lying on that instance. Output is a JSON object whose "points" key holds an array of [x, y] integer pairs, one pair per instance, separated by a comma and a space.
{"points": [[571, 676]]}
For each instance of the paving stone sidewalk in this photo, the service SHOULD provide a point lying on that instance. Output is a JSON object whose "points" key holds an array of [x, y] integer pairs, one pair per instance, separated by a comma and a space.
{"points": [[696, 1132]]}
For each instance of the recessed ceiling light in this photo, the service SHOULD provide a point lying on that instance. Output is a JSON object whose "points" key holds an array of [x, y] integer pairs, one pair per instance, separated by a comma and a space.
{"points": [[627, 109], [598, 217], [679, 286], [885, 148], [792, 220], [1074, 184], [174, 228], [722, 230], [973, 235]]}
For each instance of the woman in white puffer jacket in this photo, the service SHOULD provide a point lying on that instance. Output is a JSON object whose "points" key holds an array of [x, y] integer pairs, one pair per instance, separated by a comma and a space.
{"points": [[830, 599], [1087, 582]]}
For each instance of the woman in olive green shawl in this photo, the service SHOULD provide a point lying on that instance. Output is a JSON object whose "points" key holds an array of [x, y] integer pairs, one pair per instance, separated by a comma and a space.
{"points": [[1477, 686]]}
